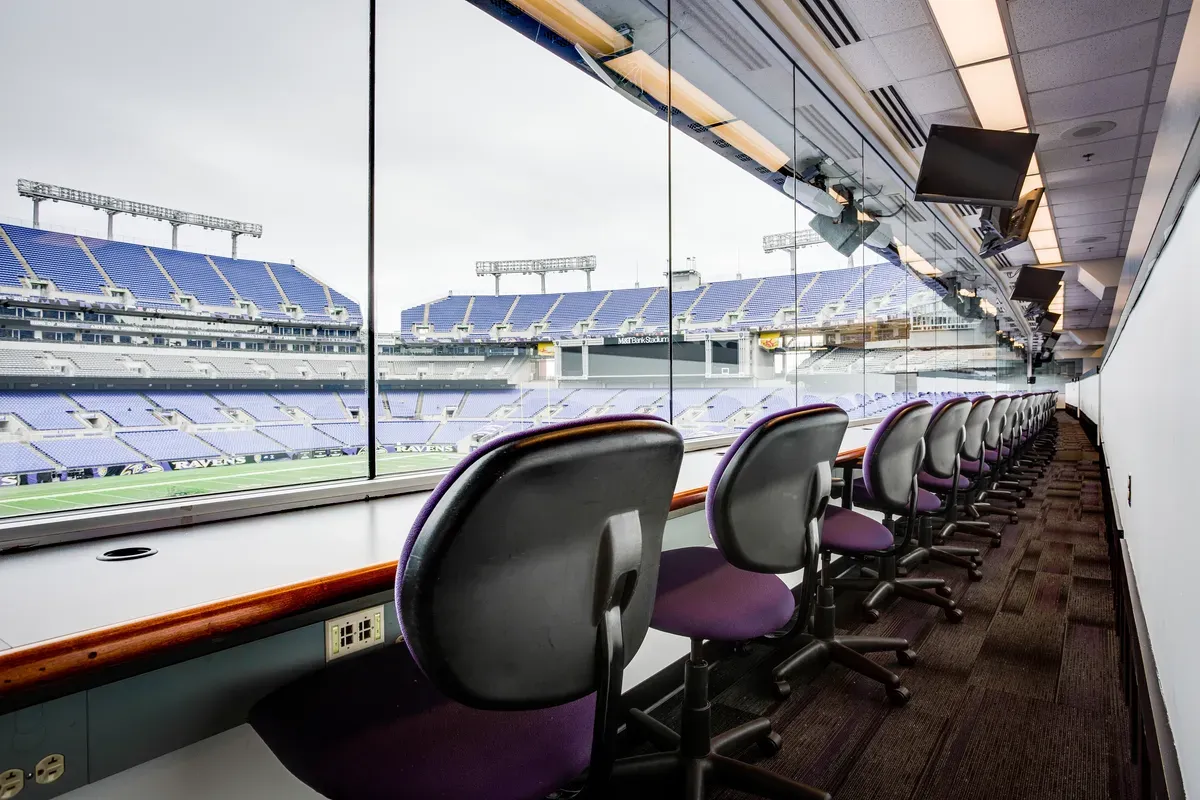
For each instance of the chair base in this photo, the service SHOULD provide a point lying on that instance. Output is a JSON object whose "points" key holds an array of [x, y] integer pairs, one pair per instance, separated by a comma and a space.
{"points": [[699, 759], [823, 646], [926, 550], [884, 585]]}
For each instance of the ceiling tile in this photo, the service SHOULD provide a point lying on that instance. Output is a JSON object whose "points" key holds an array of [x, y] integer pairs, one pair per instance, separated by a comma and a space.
{"points": [[1090, 59], [951, 116], [1070, 221], [1154, 113], [1175, 6], [1161, 83], [1104, 152], [1049, 22], [1142, 167], [1146, 146], [913, 53], [1071, 236], [1089, 253], [879, 18], [1172, 37], [1074, 194], [1136, 186], [865, 64], [1080, 176], [1129, 224], [1134, 199], [1086, 206], [1089, 99], [1058, 134], [933, 93]]}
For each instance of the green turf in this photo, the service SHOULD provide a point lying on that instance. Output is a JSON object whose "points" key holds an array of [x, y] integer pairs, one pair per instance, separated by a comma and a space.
{"points": [[73, 495]]}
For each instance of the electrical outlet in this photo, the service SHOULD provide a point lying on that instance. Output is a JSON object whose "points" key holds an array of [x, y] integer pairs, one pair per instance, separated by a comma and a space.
{"points": [[50, 768], [12, 781], [353, 632]]}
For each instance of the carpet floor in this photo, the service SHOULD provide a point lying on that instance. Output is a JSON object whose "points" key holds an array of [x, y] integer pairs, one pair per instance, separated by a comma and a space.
{"points": [[1022, 699]]}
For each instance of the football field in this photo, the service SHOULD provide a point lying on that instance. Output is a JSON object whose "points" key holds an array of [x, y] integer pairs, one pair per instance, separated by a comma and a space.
{"points": [[74, 495]]}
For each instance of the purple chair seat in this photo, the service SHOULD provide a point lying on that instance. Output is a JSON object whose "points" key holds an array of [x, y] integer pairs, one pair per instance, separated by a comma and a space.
{"points": [[973, 467], [379, 708], [845, 531], [936, 484], [991, 455], [703, 596], [927, 502]]}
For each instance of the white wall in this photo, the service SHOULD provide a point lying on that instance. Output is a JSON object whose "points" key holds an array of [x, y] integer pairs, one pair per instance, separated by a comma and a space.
{"points": [[1071, 394], [1089, 398], [1148, 425]]}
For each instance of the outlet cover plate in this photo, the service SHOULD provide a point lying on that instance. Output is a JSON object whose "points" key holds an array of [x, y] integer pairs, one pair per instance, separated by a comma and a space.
{"points": [[353, 632]]}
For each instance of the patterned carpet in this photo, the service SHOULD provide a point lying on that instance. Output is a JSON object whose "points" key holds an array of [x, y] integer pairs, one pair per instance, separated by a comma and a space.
{"points": [[1021, 700]]}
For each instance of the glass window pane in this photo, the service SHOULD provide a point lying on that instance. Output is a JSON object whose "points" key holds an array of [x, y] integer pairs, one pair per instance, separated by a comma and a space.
{"points": [[148, 354], [732, 152], [521, 222]]}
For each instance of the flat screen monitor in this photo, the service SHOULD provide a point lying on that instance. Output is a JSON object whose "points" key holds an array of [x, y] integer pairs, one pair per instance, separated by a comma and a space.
{"points": [[974, 166], [1047, 323], [1050, 342], [1036, 285]]}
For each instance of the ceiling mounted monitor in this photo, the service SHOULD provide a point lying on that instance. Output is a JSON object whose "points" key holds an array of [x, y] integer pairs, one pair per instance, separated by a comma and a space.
{"points": [[1047, 323], [1036, 285], [846, 233], [1050, 342], [974, 166], [1008, 227]]}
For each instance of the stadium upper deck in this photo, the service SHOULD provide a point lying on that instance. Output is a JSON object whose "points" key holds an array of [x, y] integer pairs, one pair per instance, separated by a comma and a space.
{"points": [[831, 297], [118, 275]]}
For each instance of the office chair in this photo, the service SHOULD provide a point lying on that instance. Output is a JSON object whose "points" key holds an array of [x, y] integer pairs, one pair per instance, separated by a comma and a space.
{"points": [[941, 474], [993, 447], [891, 465], [524, 588], [764, 504], [976, 471]]}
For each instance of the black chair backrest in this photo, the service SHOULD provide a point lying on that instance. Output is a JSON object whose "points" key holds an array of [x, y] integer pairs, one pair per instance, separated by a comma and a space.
{"points": [[944, 437], [895, 454], [772, 487], [505, 583], [995, 426], [976, 426]]}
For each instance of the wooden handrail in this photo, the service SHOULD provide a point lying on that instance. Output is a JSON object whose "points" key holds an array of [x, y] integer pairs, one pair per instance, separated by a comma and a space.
{"points": [[69, 656]]}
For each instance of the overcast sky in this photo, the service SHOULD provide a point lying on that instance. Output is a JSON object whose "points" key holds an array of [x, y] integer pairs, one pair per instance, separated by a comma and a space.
{"points": [[488, 146]]}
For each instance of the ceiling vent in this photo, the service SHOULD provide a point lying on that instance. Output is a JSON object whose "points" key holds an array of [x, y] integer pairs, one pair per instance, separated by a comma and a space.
{"points": [[829, 18], [899, 114], [940, 241]]}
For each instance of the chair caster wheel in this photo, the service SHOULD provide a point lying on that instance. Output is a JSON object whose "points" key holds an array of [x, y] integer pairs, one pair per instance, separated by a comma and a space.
{"points": [[1020, 504], [771, 745], [995, 542], [975, 574], [906, 658], [899, 696], [741, 648], [944, 590], [783, 690], [954, 615], [871, 614]]}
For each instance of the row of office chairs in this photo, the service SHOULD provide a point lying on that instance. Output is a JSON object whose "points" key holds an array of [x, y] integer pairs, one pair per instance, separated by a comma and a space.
{"points": [[534, 570]]}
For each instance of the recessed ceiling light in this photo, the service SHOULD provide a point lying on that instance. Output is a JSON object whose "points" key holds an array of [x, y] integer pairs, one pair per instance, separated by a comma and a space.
{"points": [[1092, 239], [1090, 130], [972, 29]]}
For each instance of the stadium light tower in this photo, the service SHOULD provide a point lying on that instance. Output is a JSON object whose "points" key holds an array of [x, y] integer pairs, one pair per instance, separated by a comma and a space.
{"points": [[537, 266], [37, 192], [791, 241]]}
